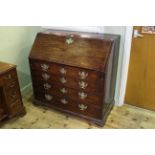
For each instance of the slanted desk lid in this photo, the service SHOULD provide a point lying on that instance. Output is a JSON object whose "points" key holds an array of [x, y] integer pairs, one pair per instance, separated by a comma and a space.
{"points": [[85, 50]]}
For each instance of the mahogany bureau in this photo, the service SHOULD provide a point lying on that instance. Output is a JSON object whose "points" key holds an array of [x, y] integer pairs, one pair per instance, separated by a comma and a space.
{"points": [[73, 72], [10, 97]]}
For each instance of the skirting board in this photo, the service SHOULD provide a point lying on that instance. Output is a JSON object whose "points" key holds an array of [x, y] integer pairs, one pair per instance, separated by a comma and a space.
{"points": [[26, 89]]}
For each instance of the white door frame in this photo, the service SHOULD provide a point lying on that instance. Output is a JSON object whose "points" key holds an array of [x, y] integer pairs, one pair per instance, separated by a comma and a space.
{"points": [[122, 81]]}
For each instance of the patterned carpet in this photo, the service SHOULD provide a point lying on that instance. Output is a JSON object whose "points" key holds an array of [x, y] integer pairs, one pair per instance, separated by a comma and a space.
{"points": [[125, 117]]}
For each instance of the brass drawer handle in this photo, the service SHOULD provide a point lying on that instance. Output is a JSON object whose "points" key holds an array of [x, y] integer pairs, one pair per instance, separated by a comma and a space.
{"points": [[12, 85], [83, 75], [63, 90], [48, 97], [64, 101], [8, 77], [82, 107], [63, 80], [44, 67], [47, 86], [69, 41], [63, 71], [83, 84], [45, 76], [82, 95], [14, 94]]}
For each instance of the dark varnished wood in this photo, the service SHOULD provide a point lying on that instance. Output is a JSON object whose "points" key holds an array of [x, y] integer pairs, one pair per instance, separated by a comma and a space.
{"points": [[54, 68], [72, 105], [70, 82], [55, 89], [89, 53], [52, 47], [11, 103]]}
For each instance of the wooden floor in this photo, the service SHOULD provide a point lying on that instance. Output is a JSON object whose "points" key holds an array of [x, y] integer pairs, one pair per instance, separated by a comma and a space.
{"points": [[125, 117]]}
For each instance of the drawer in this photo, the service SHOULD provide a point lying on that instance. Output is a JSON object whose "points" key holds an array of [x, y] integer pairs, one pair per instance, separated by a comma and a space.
{"points": [[67, 71], [53, 100], [2, 113], [11, 85], [15, 107], [12, 94], [1, 81], [71, 105], [74, 94], [10, 76], [87, 110], [93, 87]]}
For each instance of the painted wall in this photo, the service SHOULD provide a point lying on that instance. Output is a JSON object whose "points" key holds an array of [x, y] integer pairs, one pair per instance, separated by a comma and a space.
{"points": [[15, 45]]}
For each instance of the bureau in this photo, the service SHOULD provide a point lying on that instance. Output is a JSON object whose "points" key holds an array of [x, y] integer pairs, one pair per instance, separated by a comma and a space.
{"points": [[75, 72], [10, 97]]}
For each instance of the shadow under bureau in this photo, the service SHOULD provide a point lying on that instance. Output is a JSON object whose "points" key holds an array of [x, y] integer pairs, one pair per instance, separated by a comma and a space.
{"points": [[11, 104], [75, 72]]}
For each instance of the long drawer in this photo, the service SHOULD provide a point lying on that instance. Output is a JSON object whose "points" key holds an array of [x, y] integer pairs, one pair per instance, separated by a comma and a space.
{"points": [[66, 103], [15, 107], [9, 77], [60, 90], [67, 71], [12, 92], [92, 87]]}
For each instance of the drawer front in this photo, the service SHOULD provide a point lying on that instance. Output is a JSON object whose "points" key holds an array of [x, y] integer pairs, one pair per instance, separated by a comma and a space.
{"points": [[2, 113], [10, 76], [67, 104], [11, 85], [15, 107], [12, 95], [67, 71], [53, 100], [62, 91], [87, 110], [68, 82], [1, 81]]}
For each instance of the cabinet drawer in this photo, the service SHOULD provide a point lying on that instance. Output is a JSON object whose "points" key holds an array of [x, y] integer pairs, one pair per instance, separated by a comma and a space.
{"points": [[71, 105], [2, 113], [15, 107], [12, 95], [10, 76], [67, 71], [82, 85], [74, 94], [87, 110], [53, 100], [11, 85], [1, 81]]}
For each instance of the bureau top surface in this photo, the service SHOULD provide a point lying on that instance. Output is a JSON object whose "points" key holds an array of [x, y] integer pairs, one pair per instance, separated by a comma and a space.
{"points": [[4, 67], [85, 50]]}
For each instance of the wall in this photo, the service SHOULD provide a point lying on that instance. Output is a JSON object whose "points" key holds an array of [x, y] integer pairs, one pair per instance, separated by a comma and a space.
{"points": [[15, 45]]}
